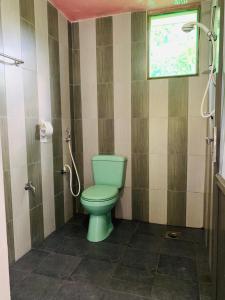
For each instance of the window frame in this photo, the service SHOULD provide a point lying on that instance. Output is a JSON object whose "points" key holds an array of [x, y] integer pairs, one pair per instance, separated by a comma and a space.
{"points": [[167, 12]]}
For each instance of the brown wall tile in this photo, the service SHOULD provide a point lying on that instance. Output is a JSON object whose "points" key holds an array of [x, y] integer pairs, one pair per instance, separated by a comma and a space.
{"points": [[37, 225], [104, 31], [140, 171], [53, 22], [140, 135], [139, 99], [27, 10], [140, 204], [178, 97], [104, 64], [106, 136], [138, 26], [105, 101], [176, 208]]}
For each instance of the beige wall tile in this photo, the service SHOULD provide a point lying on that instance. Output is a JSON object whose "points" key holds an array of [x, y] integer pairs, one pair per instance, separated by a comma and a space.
{"points": [[22, 234], [90, 147], [158, 206], [158, 128], [195, 173], [122, 101], [124, 205], [158, 98], [87, 35], [196, 136], [11, 27], [158, 171], [196, 90], [195, 208]]}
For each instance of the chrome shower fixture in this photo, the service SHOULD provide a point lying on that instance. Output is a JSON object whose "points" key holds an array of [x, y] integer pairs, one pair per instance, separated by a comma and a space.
{"points": [[188, 27], [68, 135]]}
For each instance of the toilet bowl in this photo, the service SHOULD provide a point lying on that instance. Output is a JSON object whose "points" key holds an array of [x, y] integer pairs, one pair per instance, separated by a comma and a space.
{"points": [[99, 199]]}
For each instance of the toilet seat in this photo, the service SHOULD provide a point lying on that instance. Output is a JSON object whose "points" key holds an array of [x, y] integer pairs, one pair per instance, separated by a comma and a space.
{"points": [[99, 193]]}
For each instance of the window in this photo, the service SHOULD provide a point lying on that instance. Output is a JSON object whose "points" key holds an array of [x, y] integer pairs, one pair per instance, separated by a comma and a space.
{"points": [[172, 52]]}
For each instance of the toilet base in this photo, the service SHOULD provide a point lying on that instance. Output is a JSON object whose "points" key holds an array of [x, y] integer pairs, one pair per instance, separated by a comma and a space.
{"points": [[99, 227]]}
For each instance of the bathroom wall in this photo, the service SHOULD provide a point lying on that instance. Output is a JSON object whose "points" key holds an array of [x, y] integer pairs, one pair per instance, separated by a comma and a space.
{"points": [[38, 90], [155, 123]]}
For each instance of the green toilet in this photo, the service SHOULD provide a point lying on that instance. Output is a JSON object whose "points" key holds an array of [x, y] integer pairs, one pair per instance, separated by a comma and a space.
{"points": [[98, 200]]}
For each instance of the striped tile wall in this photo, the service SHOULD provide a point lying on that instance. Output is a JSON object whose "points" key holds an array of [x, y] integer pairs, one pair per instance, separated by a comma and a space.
{"points": [[38, 90], [152, 122]]}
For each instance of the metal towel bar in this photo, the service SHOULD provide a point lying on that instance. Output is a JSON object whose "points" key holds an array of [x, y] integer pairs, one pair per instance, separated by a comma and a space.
{"points": [[17, 62]]}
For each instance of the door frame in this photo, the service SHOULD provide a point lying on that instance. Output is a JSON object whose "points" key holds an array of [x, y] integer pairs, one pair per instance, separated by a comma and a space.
{"points": [[4, 264], [217, 182]]}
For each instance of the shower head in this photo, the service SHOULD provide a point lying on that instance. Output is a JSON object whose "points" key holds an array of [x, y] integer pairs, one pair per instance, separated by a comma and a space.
{"points": [[191, 25], [188, 27]]}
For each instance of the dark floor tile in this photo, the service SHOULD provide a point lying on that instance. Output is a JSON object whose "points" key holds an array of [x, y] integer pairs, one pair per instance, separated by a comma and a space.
{"points": [[189, 234], [36, 287], [105, 251], [111, 295], [124, 225], [58, 265], [75, 246], [119, 236], [80, 219], [78, 290], [153, 229], [30, 261], [134, 275], [180, 267], [138, 289], [73, 230], [146, 242], [52, 242], [204, 274], [92, 270], [140, 259], [178, 248], [167, 288], [16, 276], [205, 291]]}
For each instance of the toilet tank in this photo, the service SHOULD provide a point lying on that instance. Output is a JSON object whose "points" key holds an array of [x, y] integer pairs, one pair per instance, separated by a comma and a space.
{"points": [[109, 170]]}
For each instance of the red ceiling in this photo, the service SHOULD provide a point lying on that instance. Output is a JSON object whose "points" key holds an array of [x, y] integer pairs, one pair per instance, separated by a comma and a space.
{"points": [[83, 9]]}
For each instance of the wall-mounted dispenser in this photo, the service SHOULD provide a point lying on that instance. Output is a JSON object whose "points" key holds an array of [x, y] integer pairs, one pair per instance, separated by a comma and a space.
{"points": [[46, 131]]}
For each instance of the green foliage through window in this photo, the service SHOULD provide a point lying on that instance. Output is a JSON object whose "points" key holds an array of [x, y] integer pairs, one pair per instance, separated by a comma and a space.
{"points": [[172, 52]]}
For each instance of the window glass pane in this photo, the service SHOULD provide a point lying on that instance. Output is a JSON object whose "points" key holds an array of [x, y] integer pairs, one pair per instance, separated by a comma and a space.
{"points": [[172, 51]]}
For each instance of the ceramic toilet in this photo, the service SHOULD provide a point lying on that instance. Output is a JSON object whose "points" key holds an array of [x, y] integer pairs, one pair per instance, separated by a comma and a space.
{"points": [[99, 199]]}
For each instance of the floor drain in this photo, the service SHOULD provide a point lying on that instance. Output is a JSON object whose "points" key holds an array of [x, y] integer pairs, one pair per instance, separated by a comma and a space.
{"points": [[173, 235]]}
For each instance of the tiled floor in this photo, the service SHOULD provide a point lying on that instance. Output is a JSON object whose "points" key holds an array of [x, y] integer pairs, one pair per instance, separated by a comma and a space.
{"points": [[136, 262]]}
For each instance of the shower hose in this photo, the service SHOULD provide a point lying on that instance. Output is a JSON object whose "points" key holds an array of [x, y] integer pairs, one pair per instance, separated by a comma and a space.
{"points": [[211, 79], [71, 174]]}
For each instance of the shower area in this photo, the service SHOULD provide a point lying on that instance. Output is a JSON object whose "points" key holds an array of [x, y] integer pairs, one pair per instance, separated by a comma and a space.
{"points": [[72, 90]]}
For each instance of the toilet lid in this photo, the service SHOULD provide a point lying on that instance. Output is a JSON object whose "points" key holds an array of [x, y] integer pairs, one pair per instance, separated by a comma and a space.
{"points": [[100, 193]]}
